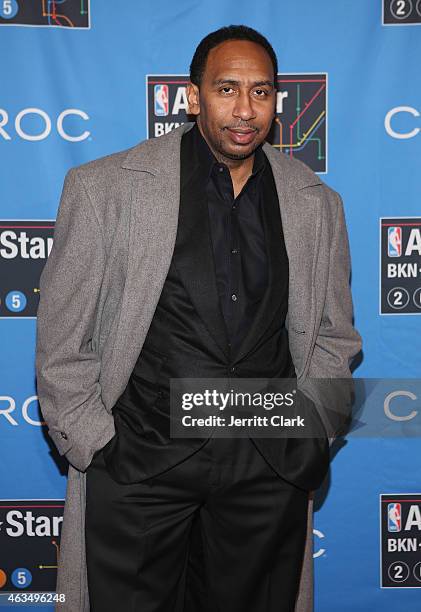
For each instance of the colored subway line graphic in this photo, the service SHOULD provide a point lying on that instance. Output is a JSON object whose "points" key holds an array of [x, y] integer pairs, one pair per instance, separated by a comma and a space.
{"points": [[294, 131]]}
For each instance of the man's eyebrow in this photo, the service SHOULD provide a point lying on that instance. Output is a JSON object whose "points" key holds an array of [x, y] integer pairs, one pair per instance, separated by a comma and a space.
{"points": [[234, 82]]}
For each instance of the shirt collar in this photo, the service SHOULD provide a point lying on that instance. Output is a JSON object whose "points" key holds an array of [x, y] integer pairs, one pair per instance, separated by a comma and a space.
{"points": [[207, 159]]}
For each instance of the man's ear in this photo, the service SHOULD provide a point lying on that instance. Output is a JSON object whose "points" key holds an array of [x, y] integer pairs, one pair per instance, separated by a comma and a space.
{"points": [[193, 99]]}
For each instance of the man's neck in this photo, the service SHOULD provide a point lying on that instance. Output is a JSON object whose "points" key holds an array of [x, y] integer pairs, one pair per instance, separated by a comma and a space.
{"points": [[240, 169]]}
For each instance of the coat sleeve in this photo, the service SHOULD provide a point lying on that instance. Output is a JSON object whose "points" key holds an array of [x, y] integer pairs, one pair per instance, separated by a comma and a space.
{"points": [[67, 367], [329, 384]]}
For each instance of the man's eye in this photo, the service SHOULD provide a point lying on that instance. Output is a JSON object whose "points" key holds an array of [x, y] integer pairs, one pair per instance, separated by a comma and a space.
{"points": [[260, 92], [225, 88]]}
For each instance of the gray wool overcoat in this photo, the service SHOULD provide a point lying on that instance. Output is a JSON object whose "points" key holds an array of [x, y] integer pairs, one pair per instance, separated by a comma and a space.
{"points": [[113, 244]]}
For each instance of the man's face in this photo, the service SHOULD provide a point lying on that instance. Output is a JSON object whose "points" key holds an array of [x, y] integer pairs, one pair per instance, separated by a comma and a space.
{"points": [[235, 105]]}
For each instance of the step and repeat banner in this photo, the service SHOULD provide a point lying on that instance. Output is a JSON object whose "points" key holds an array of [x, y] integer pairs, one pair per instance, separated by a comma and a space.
{"points": [[82, 79]]}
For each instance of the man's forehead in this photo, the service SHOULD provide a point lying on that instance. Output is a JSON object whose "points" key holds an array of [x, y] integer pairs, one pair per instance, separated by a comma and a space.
{"points": [[240, 46], [238, 51], [231, 59]]}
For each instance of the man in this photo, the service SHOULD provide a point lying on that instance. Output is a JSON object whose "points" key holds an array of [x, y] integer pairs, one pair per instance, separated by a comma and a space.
{"points": [[204, 253]]}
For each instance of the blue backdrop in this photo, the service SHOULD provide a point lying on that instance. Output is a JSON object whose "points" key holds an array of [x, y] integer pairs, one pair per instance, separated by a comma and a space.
{"points": [[77, 82]]}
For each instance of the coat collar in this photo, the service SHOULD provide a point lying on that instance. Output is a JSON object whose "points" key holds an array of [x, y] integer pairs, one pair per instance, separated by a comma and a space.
{"points": [[161, 156]]}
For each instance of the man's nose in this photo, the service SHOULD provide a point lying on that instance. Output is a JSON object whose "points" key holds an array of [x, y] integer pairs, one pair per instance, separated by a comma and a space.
{"points": [[243, 107]]}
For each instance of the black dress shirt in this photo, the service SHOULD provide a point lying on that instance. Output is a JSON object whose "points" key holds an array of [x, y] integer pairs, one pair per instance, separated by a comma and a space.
{"points": [[237, 233]]}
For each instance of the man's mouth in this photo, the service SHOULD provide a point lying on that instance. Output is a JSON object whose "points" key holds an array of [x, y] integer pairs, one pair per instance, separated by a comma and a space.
{"points": [[241, 135]]}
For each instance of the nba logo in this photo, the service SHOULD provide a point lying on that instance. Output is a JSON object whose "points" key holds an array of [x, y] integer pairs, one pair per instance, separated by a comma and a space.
{"points": [[394, 241], [161, 100], [394, 522]]}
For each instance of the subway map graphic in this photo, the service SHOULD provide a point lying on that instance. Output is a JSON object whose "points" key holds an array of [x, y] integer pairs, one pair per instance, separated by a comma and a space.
{"points": [[300, 125], [299, 129], [45, 13]]}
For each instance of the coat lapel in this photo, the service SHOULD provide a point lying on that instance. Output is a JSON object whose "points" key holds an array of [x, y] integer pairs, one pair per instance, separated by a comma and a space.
{"points": [[154, 169], [155, 166], [301, 223]]}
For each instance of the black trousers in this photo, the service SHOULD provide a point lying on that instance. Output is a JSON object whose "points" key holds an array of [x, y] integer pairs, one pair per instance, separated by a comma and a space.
{"points": [[252, 532]]}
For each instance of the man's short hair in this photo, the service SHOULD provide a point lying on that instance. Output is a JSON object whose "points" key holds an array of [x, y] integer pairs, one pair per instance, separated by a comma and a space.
{"points": [[232, 32]]}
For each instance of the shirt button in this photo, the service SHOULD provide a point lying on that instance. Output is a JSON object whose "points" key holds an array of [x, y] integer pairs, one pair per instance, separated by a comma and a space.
{"points": [[233, 369], [221, 169], [234, 297], [233, 207], [63, 435]]}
